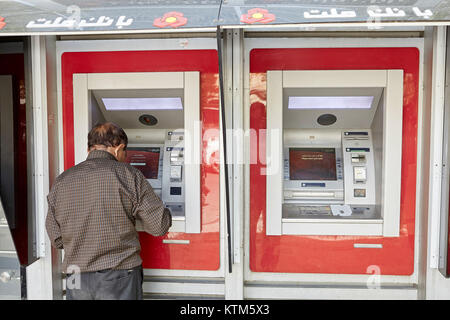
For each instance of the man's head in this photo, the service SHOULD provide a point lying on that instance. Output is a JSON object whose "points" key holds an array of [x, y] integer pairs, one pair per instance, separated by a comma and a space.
{"points": [[108, 137]]}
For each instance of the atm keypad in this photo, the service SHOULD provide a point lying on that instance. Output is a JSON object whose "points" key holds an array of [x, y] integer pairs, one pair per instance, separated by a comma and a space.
{"points": [[175, 191]]}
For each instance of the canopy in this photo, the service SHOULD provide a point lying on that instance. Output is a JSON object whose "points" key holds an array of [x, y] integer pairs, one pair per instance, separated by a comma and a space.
{"points": [[92, 16]]}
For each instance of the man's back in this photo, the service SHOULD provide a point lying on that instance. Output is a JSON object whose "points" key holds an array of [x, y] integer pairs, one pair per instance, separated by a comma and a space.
{"points": [[93, 209]]}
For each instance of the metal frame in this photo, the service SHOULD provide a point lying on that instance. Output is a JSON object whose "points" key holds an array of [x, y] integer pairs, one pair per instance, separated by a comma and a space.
{"points": [[434, 285], [445, 185], [271, 27], [141, 44], [38, 274], [233, 58], [437, 170], [336, 279], [238, 145], [40, 154]]}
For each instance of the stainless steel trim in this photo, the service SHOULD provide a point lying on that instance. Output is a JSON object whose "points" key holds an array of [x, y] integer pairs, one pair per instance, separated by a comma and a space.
{"points": [[368, 245], [8, 252], [176, 241]]}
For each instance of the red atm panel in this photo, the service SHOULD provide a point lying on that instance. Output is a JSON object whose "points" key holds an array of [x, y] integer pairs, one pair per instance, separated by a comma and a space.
{"points": [[203, 250], [333, 254]]}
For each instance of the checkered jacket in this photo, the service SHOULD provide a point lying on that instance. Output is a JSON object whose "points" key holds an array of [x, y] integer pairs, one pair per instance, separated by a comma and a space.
{"points": [[92, 212]]}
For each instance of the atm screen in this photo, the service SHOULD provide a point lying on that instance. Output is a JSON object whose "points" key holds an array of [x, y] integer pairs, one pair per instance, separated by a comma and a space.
{"points": [[145, 159], [312, 164]]}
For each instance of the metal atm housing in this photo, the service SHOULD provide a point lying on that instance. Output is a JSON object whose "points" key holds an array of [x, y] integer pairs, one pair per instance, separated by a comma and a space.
{"points": [[163, 166], [333, 150], [160, 113]]}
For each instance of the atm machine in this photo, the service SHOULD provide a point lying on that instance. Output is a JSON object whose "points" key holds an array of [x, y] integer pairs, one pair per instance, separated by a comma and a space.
{"points": [[163, 104], [163, 167], [314, 183], [160, 114], [334, 169]]}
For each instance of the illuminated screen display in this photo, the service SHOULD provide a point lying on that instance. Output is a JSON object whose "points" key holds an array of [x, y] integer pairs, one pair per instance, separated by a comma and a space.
{"points": [[145, 159], [312, 164]]}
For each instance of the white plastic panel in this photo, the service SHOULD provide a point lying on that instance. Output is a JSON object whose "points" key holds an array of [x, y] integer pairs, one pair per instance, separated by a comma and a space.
{"points": [[336, 227], [192, 145], [81, 116], [136, 80], [392, 151], [334, 78], [355, 118], [274, 152]]}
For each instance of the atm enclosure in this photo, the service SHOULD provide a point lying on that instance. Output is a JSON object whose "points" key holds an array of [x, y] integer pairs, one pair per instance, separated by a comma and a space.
{"points": [[333, 168], [160, 114]]}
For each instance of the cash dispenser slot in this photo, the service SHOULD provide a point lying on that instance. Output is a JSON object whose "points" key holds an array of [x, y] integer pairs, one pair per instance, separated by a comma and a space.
{"points": [[309, 194]]}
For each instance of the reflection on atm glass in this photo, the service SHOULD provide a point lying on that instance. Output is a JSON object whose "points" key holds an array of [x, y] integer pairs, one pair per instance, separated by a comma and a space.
{"points": [[312, 164], [144, 159]]}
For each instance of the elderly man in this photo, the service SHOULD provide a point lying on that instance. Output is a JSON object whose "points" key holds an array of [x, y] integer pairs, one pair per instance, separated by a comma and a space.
{"points": [[92, 212]]}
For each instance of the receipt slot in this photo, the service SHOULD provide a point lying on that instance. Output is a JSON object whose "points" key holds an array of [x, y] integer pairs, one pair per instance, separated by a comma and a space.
{"points": [[333, 149], [160, 112]]}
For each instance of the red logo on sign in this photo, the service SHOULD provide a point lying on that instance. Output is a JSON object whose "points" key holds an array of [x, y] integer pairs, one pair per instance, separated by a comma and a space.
{"points": [[170, 19], [2, 23], [257, 15]]}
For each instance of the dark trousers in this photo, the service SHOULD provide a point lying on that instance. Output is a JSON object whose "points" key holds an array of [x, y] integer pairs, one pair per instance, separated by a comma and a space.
{"points": [[106, 285]]}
